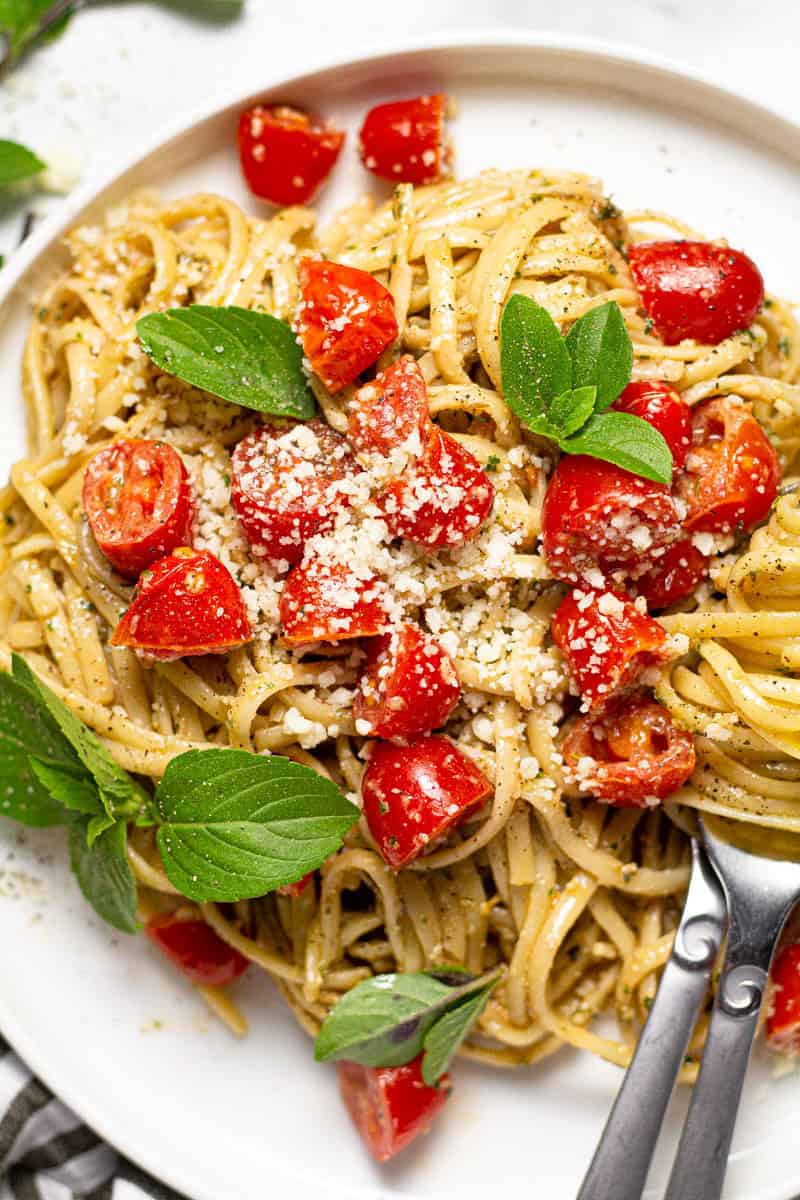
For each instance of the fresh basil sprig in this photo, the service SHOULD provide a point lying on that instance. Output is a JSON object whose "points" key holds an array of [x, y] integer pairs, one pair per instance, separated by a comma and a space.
{"points": [[26, 25], [388, 1020], [561, 387], [248, 358]]}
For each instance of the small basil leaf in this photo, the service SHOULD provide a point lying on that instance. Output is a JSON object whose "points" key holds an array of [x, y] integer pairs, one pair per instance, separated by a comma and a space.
{"points": [[245, 357], [26, 729], [602, 356], [97, 825], [103, 873], [445, 1036], [25, 25], [17, 162], [76, 792], [571, 410], [534, 360], [626, 440], [208, 10]]}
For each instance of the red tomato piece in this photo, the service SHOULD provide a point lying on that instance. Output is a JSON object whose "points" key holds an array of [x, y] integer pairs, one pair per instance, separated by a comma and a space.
{"points": [[409, 684], [732, 474], [696, 289], [286, 154], [444, 498], [138, 499], [631, 755], [598, 517], [289, 484], [673, 576], [297, 888], [328, 602], [662, 407], [606, 641], [391, 412], [414, 794], [345, 319], [783, 1018], [186, 603], [390, 1106], [405, 140], [197, 950]]}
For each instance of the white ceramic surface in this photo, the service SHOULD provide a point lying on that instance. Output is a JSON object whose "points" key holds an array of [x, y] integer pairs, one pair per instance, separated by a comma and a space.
{"points": [[109, 1026]]}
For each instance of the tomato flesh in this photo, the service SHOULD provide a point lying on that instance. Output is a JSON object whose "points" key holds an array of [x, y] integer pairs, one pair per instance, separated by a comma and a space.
{"points": [[187, 603], [328, 602], [405, 140], [409, 684], [663, 408], [390, 1106], [138, 500], [345, 320], [286, 154], [673, 576], [632, 755], [414, 794], [783, 1019], [197, 950], [696, 289], [288, 484], [391, 413], [297, 888]]}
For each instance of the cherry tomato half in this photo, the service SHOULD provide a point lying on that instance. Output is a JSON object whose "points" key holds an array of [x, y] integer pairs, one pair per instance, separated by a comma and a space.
{"points": [[732, 474], [783, 1018], [414, 794], [286, 154], [390, 1106], [663, 408], [345, 319], [186, 603], [289, 484], [297, 888], [409, 684], [391, 413], [328, 602], [696, 289], [673, 576], [405, 140], [631, 755], [138, 499], [196, 950]]}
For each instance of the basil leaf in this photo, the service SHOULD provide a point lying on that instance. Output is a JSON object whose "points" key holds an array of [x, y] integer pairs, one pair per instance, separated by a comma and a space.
{"points": [[76, 792], [97, 825], [24, 25], [571, 410], [208, 10], [103, 873], [235, 825], [17, 162], [446, 1035], [534, 361], [248, 358], [626, 440], [602, 356], [25, 729]]}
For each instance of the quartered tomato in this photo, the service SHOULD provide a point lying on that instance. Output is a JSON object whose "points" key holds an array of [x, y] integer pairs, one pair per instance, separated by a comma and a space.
{"points": [[443, 499], [405, 141], [329, 602], [138, 499], [414, 794], [663, 408], [597, 516], [409, 684], [783, 1019], [289, 484], [673, 576], [696, 289], [390, 1106], [187, 603], [345, 320], [391, 413], [286, 154], [607, 642], [732, 474], [196, 950], [631, 755]]}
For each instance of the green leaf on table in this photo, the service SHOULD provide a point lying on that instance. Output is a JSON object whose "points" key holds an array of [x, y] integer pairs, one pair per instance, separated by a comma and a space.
{"points": [[17, 162], [446, 1035], [571, 410], [602, 355], [535, 364], [247, 358], [26, 729], [626, 440], [77, 792], [21, 25], [208, 10], [103, 873], [235, 825]]}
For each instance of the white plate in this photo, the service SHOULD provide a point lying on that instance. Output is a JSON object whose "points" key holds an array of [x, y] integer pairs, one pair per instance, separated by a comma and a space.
{"points": [[105, 1022]]}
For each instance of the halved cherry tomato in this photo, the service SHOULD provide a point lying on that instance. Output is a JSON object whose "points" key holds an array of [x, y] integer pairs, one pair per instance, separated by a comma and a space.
{"points": [[297, 888], [696, 289], [286, 154], [631, 755], [414, 794], [409, 684], [405, 140], [673, 576], [732, 474], [606, 641], [345, 319], [783, 1018], [598, 517], [289, 484], [391, 413], [329, 602], [390, 1106], [138, 499], [187, 603], [662, 407], [443, 499], [196, 950]]}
